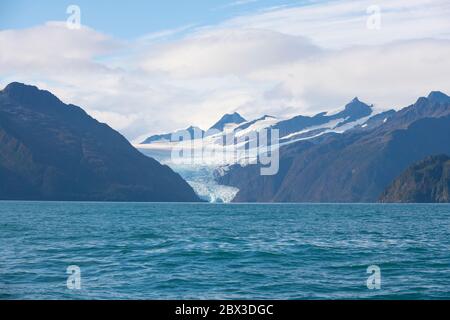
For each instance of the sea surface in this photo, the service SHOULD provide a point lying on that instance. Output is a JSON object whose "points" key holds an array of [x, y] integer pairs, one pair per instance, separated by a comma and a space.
{"points": [[223, 251]]}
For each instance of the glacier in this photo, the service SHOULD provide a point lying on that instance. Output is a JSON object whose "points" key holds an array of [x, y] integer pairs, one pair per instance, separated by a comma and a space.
{"points": [[200, 177]]}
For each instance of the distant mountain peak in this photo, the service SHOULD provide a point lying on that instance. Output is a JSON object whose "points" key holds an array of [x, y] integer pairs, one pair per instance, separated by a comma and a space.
{"points": [[357, 108], [356, 103], [18, 87], [193, 128], [15, 84], [265, 117], [195, 132], [233, 118], [439, 97], [30, 95]]}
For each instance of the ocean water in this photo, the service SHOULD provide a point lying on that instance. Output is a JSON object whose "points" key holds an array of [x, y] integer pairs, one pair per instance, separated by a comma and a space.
{"points": [[207, 251]]}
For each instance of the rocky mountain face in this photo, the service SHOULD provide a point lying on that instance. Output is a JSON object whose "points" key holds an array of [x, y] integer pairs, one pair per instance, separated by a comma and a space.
{"points": [[427, 181], [53, 151], [228, 119], [194, 133], [356, 166], [353, 111]]}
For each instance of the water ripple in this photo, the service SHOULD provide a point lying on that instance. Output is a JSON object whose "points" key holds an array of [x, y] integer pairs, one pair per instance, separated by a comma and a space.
{"points": [[203, 251]]}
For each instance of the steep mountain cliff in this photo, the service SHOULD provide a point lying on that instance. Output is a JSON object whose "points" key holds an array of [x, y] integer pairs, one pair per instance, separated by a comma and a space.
{"points": [[53, 151], [427, 181]]}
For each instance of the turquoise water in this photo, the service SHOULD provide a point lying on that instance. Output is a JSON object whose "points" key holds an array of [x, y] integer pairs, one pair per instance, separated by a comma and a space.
{"points": [[204, 251]]}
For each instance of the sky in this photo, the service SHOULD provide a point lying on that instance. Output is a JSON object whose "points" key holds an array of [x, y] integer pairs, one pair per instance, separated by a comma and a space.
{"points": [[129, 19], [147, 67]]}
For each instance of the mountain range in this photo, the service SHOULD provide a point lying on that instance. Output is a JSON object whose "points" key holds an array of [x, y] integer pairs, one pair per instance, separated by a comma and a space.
{"points": [[50, 150], [206, 177], [53, 151], [227, 121], [347, 156], [355, 166], [354, 114]]}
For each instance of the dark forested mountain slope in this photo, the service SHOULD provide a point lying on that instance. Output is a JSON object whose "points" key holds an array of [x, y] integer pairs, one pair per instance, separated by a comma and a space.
{"points": [[427, 181], [53, 151]]}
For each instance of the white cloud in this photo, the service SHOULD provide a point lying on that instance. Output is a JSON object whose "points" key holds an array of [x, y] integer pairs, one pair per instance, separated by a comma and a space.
{"points": [[229, 51], [283, 61], [52, 45], [116, 120], [339, 24], [391, 75]]}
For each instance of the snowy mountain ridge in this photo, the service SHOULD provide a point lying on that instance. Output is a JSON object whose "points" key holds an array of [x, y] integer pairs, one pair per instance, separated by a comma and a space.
{"points": [[232, 140]]}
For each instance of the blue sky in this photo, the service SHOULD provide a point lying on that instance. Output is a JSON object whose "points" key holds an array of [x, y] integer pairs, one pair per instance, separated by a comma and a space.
{"points": [[146, 67], [133, 18]]}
